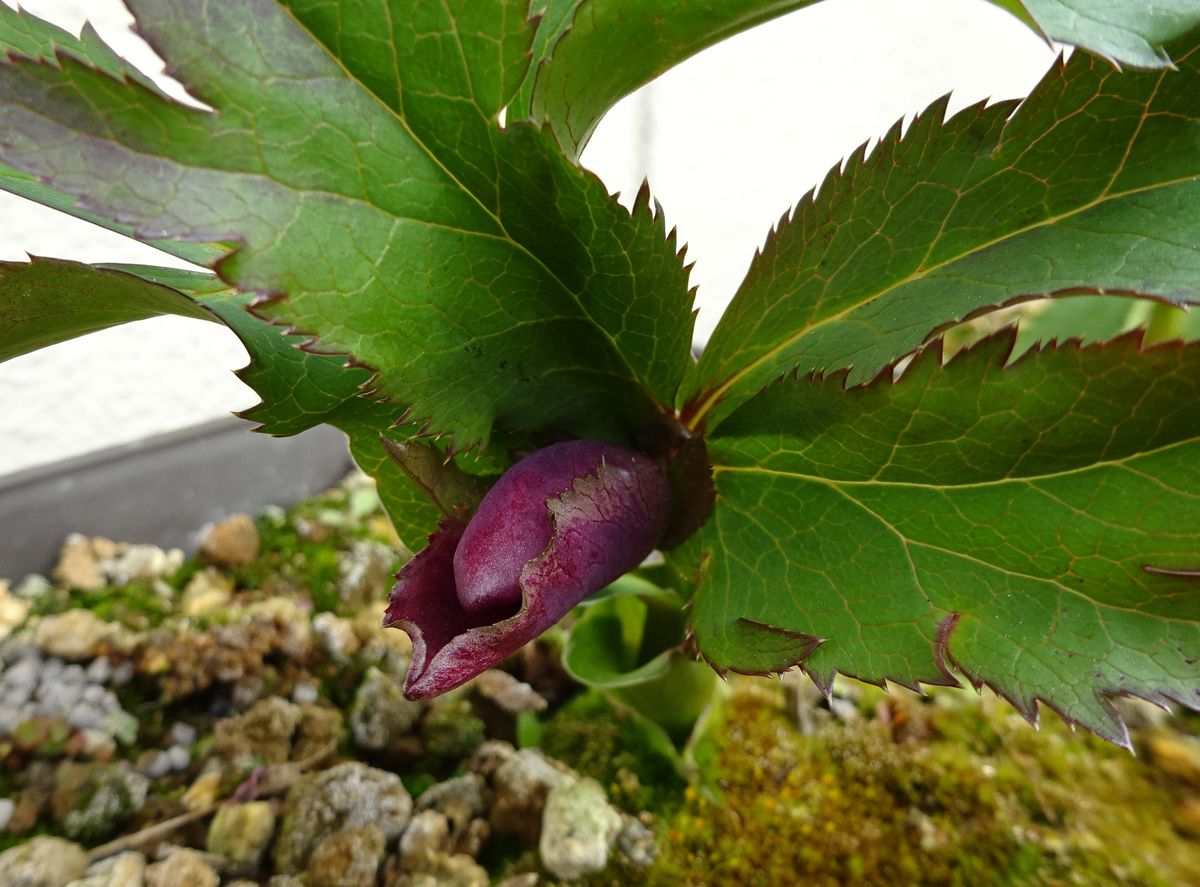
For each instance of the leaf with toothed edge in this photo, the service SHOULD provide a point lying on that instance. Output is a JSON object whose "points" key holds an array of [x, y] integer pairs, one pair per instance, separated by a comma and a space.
{"points": [[52, 300], [588, 54], [1031, 526], [376, 200], [1090, 185]]}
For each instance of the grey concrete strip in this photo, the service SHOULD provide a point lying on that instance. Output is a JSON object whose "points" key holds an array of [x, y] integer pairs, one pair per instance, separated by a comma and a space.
{"points": [[162, 490]]}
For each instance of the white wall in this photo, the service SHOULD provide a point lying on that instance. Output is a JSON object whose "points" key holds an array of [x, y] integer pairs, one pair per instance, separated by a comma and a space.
{"points": [[728, 140]]}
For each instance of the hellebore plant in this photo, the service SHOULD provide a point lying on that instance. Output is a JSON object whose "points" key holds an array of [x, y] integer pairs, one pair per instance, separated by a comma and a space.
{"points": [[829, 487]]}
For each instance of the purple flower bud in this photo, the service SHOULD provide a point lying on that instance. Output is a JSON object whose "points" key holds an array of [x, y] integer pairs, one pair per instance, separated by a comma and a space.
{"points": [[559, 525]]}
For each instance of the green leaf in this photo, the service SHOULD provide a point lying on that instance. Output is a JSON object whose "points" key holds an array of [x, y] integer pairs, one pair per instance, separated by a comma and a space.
{"points": [[355, 158], [588, 54], [1091, 185], [1130, 32], [301, 390], [45, 301], [51, 300], [1033, 526]]}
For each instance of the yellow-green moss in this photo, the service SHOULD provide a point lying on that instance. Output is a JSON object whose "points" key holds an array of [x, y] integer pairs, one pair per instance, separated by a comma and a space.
{"points": [[931, 794]]}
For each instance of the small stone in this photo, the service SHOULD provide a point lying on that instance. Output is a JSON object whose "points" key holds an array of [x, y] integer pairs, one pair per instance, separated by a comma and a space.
{"points": [[264, 732], [109, 797], [23, 673], [241, 832], [183, 868], [42, 862], [381, 715], [449, 871], [490, 757], [291, 621], [320, 730], [183, 733], [636, 844], [578, 828], [460, 800], [426, 836], [123, 870], [33, 588], [349, 795], [203, 791], [142, 563], [364, 570], [337, 636], [512, 696], [521, 787], [13, 610], [207, 592], [305, 693], [79, 564], [7, 806], [525, 879], [74, 635], [1176, 757], [232, 542], [347, 858]]}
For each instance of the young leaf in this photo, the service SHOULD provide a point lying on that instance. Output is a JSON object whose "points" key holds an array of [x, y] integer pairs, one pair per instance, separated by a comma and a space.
{"points": [[588, 54], [45, 301], [1092, 184], [1032, 525], [357, 161]]}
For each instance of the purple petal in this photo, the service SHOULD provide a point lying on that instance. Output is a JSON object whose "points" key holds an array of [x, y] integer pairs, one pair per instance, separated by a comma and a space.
{"points": [[604, 525]]}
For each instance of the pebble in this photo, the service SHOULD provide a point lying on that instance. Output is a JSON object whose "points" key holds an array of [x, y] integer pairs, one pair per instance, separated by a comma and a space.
{"points": [[7, 806], [426, 836], [305, 693], [241, 832], [183, 733], [380, 714], [349, 795], [13, 610], [232, 542], [347, 858], [42, 862], [183, 868], [449, 871], [521, 786], [74, 635], [123, 870], [337, 636], [579, 827]]}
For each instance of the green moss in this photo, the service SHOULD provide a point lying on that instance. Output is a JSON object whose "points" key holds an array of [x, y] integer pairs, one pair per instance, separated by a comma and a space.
{"points": [[137, 606], [613, 747], [933, 795]]}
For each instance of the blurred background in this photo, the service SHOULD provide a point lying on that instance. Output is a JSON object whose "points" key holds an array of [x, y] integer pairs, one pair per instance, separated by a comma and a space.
{"points": [[729, 141]]}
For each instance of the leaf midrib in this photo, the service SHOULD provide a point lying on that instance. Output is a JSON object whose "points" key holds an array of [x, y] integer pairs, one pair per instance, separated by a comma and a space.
{"points": [[508, 238], [906, 542]]}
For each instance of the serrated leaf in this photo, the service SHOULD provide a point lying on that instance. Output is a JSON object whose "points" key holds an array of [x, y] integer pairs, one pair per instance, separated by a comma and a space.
{"points": [[1031, 525], [1091, 185], [356, 159], [51, 300], [45, 301], [588, 54], [300, 390]]}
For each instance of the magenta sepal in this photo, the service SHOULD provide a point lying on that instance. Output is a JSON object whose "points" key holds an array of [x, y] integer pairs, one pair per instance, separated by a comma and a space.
{"points": [[600, 526]]}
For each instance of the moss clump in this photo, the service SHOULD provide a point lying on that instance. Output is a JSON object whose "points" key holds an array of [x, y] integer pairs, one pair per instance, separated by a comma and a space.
{"points": [[890, 801], [613, 747], [137, 605]]}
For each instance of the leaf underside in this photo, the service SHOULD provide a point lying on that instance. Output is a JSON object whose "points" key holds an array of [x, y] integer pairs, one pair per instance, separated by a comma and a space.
{"points": [[1091, 185], [1031, 526], [355, 158]]}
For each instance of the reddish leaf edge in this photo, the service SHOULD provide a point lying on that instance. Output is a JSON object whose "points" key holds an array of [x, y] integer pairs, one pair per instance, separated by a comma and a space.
{"points": [[1003, 341]]}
